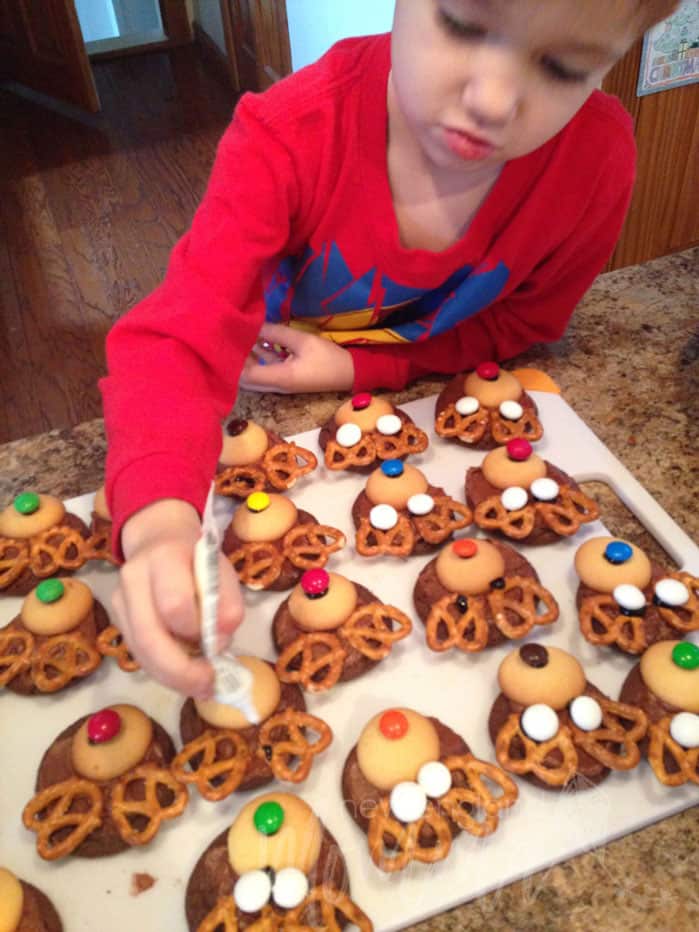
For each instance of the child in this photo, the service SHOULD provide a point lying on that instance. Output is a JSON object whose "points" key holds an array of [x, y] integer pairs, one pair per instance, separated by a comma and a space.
{"points": [[424, 200]]}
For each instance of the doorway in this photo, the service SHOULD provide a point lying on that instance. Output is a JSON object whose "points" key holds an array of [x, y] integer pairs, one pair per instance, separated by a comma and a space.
{"points": [[111, 25]]}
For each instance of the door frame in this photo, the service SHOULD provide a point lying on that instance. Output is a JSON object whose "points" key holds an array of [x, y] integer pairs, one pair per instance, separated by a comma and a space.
{"points": [[229, 37], [176, 26]]}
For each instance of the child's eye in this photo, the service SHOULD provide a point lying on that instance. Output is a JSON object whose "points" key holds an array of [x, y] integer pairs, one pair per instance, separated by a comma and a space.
{"points": [[559, 72], [459, 29]]}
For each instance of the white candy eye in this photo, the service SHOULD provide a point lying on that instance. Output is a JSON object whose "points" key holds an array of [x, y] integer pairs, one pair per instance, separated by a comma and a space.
{"points": [[672, 592], [540, 722], [383, 517], [389, 425], [290, 887], [435, 779], [514, 498], [252, 891], [684, 729], [467, 405], [420, 504], [544, 489], [408, 801], [629, 597], [586, 713], [348, 435], [511, 410]]}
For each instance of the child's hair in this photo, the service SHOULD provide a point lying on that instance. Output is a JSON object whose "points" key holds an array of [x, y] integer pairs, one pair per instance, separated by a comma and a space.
{"points": [[650, 12]]}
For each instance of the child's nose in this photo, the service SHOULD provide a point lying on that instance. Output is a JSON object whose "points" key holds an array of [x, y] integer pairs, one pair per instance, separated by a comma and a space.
{"points": [[491, 97]]}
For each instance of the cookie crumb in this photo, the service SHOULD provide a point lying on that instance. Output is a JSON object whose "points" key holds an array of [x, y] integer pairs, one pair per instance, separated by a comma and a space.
{"points": [[140, 883]]}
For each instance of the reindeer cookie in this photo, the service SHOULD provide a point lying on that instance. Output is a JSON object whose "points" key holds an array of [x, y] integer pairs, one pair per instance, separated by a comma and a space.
{"points": [[479, 593], [24, 908], [412, 785], [526, 498], [276, 868], [665, 684], [366, 430], [225, 752], [332, 630], [399, 513], [105, 784], [254, 459], [54, 642], [554, 728], [626, 601], [486, 408], [270, 542]]}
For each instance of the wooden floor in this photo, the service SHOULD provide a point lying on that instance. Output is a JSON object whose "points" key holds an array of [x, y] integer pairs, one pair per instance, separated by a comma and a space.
{"points": [[89, 211]]}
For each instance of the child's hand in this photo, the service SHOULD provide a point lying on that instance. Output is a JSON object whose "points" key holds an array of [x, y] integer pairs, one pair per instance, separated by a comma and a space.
{"points": [[156, 595], [314, 364]]}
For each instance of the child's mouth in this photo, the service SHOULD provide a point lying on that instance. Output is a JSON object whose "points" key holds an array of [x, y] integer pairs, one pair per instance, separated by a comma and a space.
{"points": [[466, 146]]}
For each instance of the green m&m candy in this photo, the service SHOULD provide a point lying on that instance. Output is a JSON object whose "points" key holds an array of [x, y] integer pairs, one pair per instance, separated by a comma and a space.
{"points": [[50, 590], [268, 818], [27, 503], [686, 655]]}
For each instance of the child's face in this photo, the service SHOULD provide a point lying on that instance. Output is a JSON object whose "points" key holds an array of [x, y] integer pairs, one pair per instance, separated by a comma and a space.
{"points": [[485, 81]]}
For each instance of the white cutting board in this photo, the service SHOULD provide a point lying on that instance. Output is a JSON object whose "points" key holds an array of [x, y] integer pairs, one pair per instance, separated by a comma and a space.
{"points": [[541, 829]]}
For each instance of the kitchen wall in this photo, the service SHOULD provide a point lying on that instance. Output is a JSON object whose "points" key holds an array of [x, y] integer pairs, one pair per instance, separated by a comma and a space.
{"points": [[314, 25]]}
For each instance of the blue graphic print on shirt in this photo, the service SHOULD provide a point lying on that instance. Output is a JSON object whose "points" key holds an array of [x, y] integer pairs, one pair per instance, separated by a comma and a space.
{"points": [[317, 286]]}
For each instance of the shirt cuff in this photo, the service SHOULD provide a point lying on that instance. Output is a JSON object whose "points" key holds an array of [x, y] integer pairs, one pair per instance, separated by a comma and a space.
{"points": [[376, 369]]}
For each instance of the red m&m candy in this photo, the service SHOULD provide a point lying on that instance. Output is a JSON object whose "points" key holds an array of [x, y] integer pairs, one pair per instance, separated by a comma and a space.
{"points": [[519, 449], [315, 583], [103, 726], [488, 371], [361, 401], [393, 724]]}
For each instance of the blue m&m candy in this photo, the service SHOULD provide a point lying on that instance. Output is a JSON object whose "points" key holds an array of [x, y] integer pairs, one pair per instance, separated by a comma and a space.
{"points": [[617, 552], [392, 468]]}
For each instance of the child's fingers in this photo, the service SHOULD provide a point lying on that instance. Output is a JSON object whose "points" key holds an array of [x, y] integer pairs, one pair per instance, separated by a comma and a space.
{"points": [[174, 598], [277, 378]]}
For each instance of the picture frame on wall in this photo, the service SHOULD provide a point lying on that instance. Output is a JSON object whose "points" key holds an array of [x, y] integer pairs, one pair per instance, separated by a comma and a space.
{"points": [[670, 56]]}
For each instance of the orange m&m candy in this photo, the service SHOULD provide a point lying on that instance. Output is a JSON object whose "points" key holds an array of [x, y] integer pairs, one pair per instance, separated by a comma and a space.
{"points": [[393, 724]]}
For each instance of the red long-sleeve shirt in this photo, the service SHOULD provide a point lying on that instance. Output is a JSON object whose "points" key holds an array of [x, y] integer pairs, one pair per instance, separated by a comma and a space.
{"points": [[298, 221]]}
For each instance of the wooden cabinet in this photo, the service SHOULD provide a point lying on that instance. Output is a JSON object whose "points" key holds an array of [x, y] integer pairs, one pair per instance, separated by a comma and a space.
{"points": [[664, 214], [257, 40]]}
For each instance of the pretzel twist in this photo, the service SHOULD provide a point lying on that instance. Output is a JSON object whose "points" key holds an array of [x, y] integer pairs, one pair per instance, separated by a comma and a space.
{"points": [[63, 658], [329, 901], [612, 731], [447, 516], [123, 808], [292, 746], [535, 753], [447, 627], [285, 463], [207, 762], [50, 812], [362, 453], [398, 541], [240, 481], [257, 563], [98, 547], [111, 643], [564, 517], [468, 428], [410, 439], [406, 845], [459, 800], [310, 655], [57, 548], [504, 430], [685, 760], [521, 596], [684, 617], [223, 918], [627, 632], [366, 629], [16, 649], [306, 545], [492, 515], [14, 559]]}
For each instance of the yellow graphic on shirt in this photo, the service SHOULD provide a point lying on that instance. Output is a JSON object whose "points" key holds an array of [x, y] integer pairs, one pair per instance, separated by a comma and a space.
{"points": [[351, 326]]}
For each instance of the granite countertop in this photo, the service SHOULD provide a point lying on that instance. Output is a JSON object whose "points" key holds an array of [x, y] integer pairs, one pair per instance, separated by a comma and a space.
{"points": [[628, 366]]}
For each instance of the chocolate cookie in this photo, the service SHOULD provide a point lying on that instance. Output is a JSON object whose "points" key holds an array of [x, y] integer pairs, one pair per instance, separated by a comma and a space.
{"points": [[25, 908], [43, 670], [517, 494], [255, 459], [484, 575], [486, 408], [57, 765]]}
